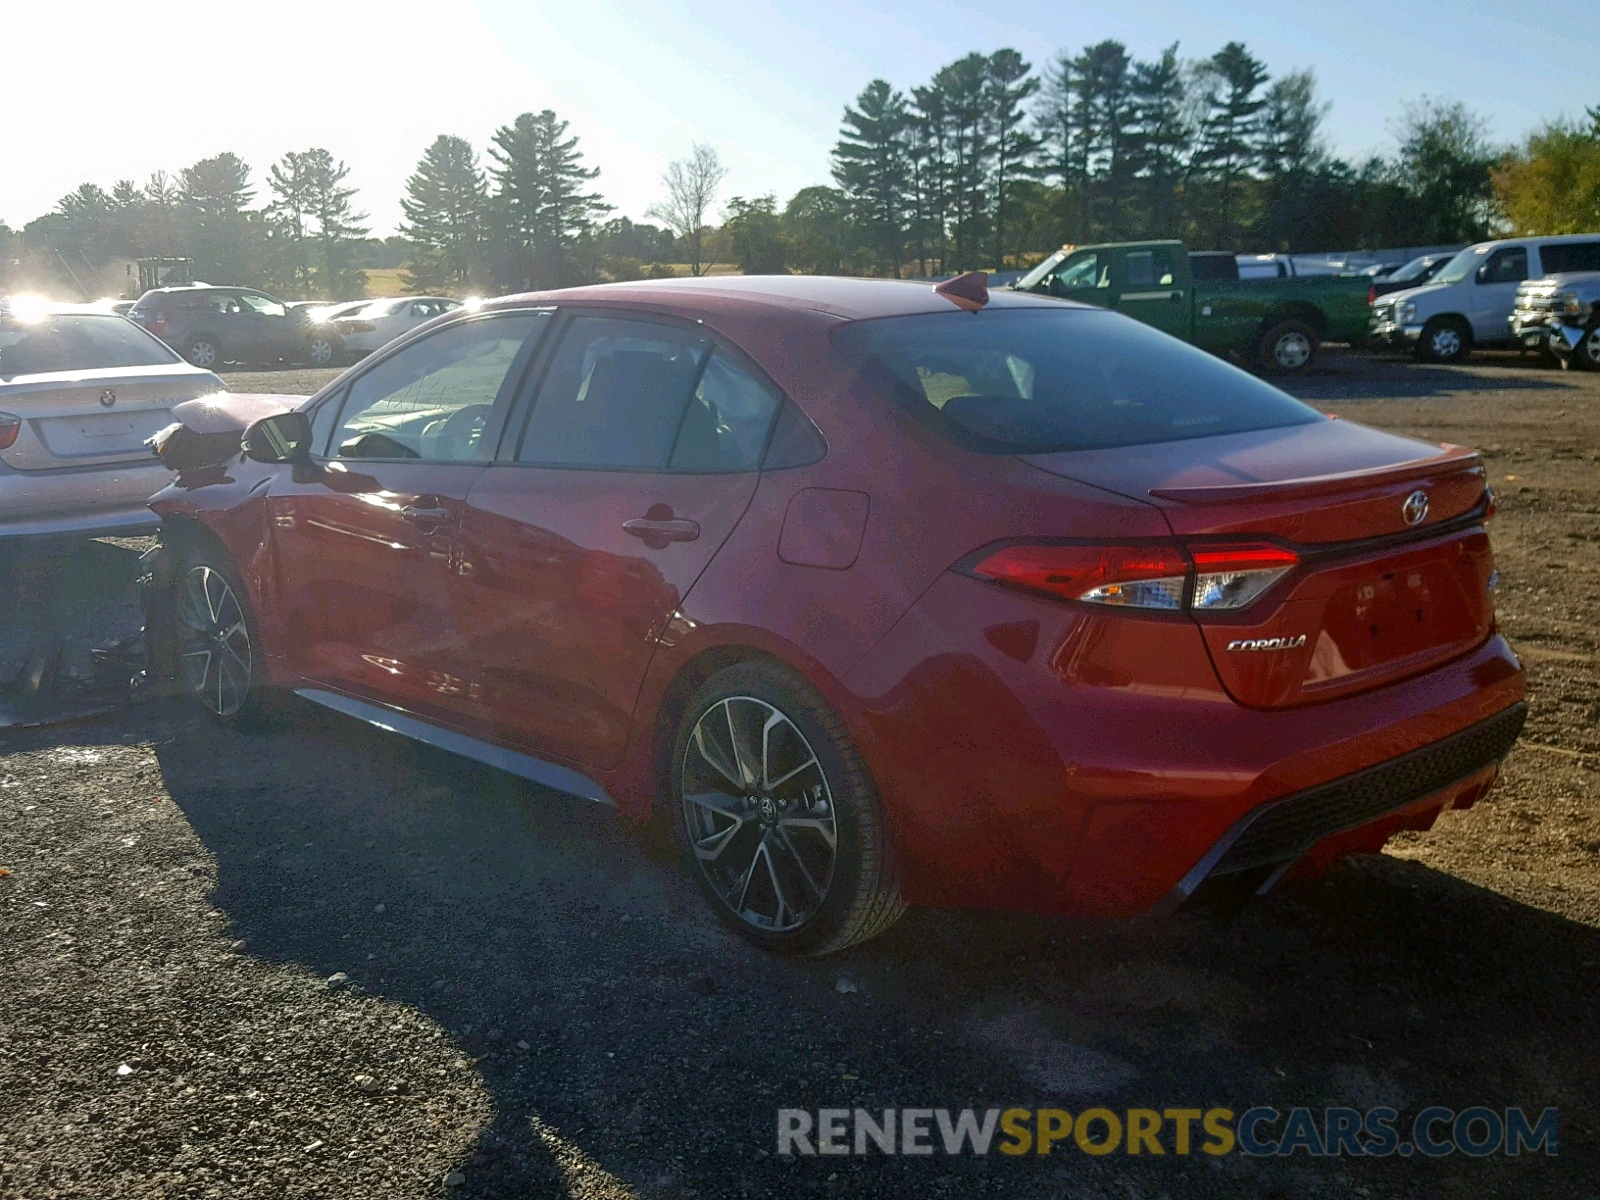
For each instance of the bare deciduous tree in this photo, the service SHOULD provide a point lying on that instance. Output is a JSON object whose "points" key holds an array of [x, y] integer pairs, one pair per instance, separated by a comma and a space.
{"points": [[691, 187]]}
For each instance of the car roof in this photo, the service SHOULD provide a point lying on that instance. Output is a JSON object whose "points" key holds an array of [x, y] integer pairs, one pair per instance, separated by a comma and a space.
{"points": [[841, 298]]}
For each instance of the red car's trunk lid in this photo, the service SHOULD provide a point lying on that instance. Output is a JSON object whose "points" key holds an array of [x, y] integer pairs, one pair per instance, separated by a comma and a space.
{"points": [[1394, 571]]}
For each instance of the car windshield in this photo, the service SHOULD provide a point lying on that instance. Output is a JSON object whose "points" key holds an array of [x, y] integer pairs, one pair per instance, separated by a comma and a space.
{"points": [[77, 342], [1462, 265], [1414, 269], [1032, 380], [1032, 278]]}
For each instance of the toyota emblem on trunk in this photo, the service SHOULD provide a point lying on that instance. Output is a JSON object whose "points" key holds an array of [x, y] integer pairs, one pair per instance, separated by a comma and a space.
{"points": [[1415, 509], [108, 398]]}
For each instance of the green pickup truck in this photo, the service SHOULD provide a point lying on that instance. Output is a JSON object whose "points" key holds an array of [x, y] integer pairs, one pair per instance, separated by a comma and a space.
{"points": [[1274, 325]]}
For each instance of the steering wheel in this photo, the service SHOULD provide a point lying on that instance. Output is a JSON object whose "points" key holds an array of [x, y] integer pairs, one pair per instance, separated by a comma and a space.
{"points": [[456, 439]]}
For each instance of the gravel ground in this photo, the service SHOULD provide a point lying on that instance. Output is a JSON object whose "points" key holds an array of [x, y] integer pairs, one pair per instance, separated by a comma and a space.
{"points": [[316, 961]]}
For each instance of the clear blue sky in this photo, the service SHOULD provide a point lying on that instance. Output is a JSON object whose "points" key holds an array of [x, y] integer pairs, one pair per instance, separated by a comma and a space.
{"points": [[134, 88]]}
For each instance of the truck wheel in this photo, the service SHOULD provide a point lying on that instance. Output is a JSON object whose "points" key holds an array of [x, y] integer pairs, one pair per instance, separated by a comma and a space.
{"points": [[1445, 340], [1585, 356], [1286, 347]]}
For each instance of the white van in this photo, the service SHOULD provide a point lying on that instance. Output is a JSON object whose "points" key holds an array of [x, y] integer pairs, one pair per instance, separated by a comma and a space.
{"points": [[1469, 302]]}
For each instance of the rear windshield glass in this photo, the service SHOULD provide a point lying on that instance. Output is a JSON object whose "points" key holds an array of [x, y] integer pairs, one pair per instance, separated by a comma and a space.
{"points": [[77, 342], [1029, 380]]}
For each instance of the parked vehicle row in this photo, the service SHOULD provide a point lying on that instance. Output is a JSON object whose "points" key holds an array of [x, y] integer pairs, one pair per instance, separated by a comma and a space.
{"points": [[1471, 301], [1162, 628]]}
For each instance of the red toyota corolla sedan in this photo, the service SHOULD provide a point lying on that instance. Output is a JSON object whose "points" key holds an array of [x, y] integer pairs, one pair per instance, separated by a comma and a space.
{"points": [[888, 593]]}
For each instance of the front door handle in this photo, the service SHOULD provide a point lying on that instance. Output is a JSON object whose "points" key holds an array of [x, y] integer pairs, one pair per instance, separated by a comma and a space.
{"points": [[426, 517], [658, 531]]}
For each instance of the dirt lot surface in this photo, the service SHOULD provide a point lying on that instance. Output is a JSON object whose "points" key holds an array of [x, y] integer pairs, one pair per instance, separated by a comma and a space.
{"points": [[318, 961]]}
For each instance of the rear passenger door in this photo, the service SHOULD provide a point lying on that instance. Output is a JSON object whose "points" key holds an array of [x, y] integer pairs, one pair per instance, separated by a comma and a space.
{"points": [[621, 476], [1151, 290]]}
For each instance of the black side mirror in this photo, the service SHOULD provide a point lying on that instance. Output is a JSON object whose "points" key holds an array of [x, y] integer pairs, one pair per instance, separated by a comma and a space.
{"points": [[283, 438]]}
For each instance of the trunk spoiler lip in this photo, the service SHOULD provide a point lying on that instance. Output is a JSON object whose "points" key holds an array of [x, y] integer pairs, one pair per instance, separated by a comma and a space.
{"points": [[1451, 460]]}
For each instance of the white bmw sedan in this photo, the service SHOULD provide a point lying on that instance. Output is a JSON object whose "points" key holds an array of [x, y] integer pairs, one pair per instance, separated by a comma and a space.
{"points": [[80, 391]]}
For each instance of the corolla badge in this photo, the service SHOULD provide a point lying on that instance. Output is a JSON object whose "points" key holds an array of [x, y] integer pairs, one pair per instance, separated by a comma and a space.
{"points": [[108, 398], [1415, 508], [1277, 643]]}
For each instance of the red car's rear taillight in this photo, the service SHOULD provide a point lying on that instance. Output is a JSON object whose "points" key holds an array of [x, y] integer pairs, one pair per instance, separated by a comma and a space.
{"points": [[9, 428], [1130, 576], [1152, 576]]}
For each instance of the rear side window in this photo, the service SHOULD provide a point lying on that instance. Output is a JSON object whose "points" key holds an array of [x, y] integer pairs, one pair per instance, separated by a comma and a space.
{"points": [[728, 418], [1150, 268], [1026, 381], [1572, 256], [74, 342]]}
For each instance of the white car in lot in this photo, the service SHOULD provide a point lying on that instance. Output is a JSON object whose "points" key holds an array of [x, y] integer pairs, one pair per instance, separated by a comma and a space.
{"points": [[80, 391], [381, 321], [1470, 301]]}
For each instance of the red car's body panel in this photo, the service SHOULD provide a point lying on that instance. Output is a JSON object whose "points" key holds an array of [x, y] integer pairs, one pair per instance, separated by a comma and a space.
{"points": [[1030, 753]]}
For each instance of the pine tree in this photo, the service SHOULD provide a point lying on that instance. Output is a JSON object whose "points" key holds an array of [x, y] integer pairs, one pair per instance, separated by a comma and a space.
{"points": [[1230, 86], [445, 209], [215, 194], [540, 205], [289, 220], [1159, 139], [872, 166], [1010, 83], [1289, 154], [338, 225]]}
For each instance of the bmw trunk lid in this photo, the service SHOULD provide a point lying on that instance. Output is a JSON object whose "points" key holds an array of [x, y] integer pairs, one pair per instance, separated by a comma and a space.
{"points": [[96, 417], [1385, 566]]}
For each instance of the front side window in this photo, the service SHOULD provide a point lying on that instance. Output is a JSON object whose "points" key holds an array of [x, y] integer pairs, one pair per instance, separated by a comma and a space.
{"points": [[432, 400], [1032, 380], [1083, 271], [1506, 265], [615, 395], [74, 342]]}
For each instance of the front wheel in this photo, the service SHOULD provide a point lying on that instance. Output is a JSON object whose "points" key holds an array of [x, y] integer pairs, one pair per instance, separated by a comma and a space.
{"points": [[203, 352], [1585, 356], [219, 652], [321, 351], [1286, 348], [778, 817], [1444, 340]]}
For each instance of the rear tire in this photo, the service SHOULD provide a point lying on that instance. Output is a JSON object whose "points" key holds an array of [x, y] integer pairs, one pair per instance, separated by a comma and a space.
{"points": [[778, 819], [1286, 348], [321, 351], [203, 352], [219, 655], [1445, 340]]}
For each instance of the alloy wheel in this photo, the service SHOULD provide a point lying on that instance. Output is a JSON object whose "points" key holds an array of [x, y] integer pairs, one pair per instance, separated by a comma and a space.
{"points": [[1445, 343], [1292, 351], [213, 642], [320, 352], [203, 354], [1589, 348], [759, 814]]}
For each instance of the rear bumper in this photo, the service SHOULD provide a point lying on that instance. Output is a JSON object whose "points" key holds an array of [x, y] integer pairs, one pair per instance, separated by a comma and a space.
{"points": [[79, 502], [1267, 842], [1052, 761]]}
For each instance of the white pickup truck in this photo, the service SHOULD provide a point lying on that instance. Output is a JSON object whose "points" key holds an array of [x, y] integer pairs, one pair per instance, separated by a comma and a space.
{"points": [[1469, 302]]}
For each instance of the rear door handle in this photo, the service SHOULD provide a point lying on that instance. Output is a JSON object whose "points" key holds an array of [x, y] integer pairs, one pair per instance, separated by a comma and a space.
{"points": [[660, 531]]}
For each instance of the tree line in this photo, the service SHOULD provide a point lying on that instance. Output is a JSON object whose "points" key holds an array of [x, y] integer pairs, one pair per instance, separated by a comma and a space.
{"points": [[989, 164]]}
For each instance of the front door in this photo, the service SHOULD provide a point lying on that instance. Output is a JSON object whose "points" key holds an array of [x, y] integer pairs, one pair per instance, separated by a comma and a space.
{"points": [[1149, 291], [1494, 293], [638, 456], [367, 541]]}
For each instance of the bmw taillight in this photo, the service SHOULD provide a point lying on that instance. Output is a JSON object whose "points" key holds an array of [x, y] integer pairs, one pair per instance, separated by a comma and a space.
{"points": [[1152, 576], [9, 428]]}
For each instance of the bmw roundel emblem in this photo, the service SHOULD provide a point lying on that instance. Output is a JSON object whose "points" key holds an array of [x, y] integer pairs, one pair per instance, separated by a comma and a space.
{"points": [[1415, 508], [108, 398]]}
